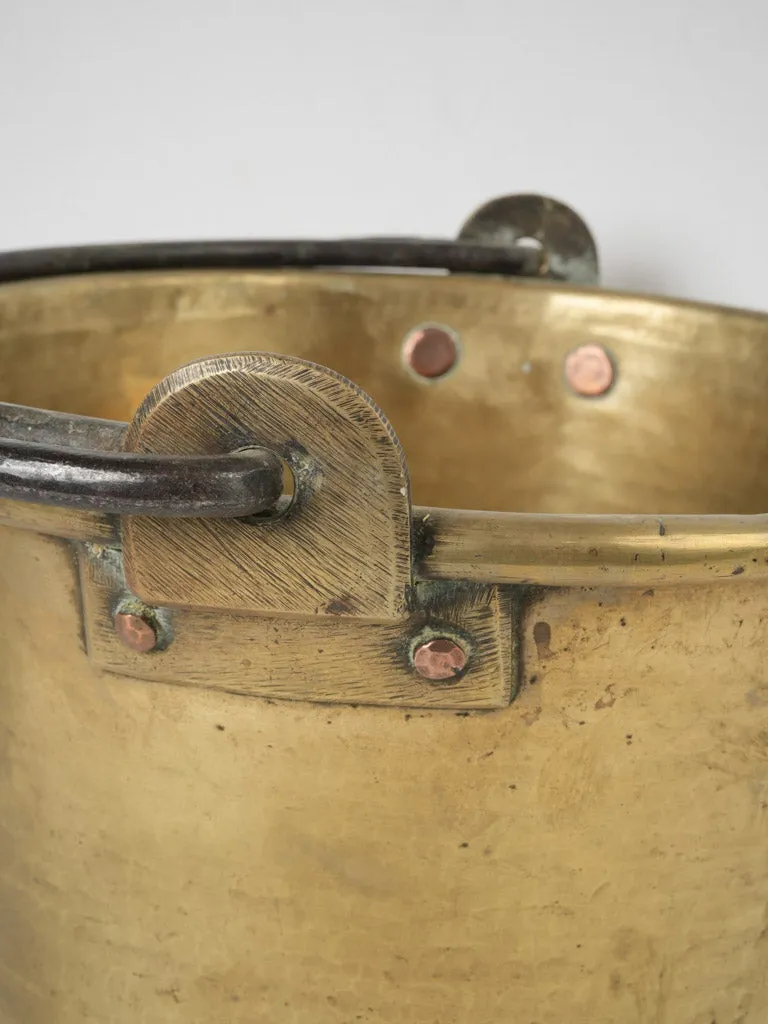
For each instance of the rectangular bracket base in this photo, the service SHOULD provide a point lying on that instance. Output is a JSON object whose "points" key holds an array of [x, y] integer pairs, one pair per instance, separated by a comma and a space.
{"points": [[322, 659]]}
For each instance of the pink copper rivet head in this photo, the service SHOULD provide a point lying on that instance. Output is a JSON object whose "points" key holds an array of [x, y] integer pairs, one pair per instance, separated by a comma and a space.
{"points": [[430, 351], [136, 632], [589, 370], [438, 659]]}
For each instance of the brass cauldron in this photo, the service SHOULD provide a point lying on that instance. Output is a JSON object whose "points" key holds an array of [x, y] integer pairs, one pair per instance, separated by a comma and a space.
{"points": [[357, 752]]}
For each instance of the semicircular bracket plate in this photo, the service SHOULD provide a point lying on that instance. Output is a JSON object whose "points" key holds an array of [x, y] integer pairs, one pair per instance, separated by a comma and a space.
{"points": [[342, 548], [569, 251]]}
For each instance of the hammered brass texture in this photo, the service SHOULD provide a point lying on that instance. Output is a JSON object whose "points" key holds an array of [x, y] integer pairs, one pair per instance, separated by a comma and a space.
{"points": [[595, 853], [681, 431]]}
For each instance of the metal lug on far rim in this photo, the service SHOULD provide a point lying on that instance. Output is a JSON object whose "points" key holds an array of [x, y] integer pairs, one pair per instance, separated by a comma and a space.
{"points": [[568, 250]]}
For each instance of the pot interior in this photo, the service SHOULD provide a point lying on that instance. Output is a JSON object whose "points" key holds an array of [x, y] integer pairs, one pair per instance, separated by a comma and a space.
{"points": [[681, 429]]}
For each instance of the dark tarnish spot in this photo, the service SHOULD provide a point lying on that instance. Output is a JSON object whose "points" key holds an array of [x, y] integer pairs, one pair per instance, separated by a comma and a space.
{"points": [[542, 637], [738, 570], [423, 539], [662, 529], [649, 593], [172, 992], [532, 717], [593, 552], [343, 605], [607, 700]]}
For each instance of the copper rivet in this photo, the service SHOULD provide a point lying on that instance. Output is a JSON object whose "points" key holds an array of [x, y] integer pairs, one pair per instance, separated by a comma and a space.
{"points": [[589, 370], [430, 351], [135, 632], [441, 658]]}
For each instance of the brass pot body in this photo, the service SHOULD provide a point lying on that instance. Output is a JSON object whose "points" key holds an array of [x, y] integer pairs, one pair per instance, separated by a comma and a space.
{"points": [[595, 850]]}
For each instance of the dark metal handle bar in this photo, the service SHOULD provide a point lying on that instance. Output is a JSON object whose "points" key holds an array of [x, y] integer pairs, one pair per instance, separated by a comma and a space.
{"points": [[60, 429], [130, 484], [389, 253]]}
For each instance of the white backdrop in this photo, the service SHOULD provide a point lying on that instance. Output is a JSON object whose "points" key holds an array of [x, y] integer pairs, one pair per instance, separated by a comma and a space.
{"points": [[158, 119]]}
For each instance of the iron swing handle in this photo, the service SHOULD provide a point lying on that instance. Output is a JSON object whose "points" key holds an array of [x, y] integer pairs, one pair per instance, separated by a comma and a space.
{"points": [[76, 462]]}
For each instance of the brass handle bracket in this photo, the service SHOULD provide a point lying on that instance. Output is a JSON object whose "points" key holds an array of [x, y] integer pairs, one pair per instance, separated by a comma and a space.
{"points": [[317, 603]]}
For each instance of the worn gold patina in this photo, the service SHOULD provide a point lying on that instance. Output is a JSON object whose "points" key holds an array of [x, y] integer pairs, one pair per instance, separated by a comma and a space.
{"points": [[577, 833]]}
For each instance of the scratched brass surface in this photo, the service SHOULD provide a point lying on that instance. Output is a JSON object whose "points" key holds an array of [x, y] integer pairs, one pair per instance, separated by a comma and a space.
{"points": [[594, 853], [345, 548], [330, 659]]}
